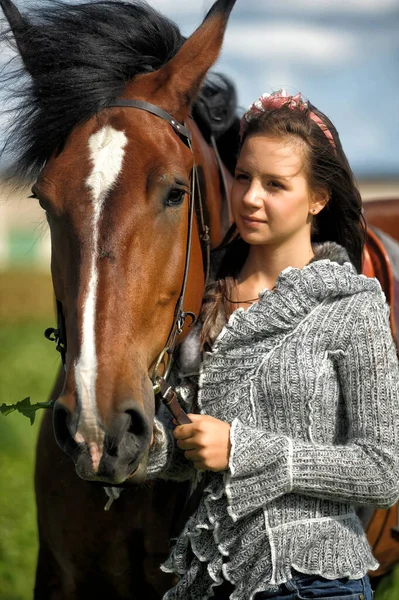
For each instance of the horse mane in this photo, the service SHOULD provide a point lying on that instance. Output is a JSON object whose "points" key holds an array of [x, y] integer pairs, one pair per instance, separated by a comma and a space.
{"points": [[81, 57]]}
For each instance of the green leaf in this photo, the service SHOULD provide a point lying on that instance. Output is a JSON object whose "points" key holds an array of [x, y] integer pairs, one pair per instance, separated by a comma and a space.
{"points": [[25, 408]]}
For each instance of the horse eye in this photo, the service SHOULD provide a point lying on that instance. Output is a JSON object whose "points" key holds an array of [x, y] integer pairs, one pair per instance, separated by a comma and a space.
{"points": [[175, 197], [41, 203]]}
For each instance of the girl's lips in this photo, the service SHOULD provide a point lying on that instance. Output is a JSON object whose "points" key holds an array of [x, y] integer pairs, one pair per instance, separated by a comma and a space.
{"points": [[252, 221]]}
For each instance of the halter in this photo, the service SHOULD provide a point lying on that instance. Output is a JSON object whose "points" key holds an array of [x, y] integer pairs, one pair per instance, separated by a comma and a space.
{"points": [[59, 335]]}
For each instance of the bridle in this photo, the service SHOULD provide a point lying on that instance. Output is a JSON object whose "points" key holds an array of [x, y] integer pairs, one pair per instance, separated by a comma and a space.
{"points": [[180, 316]]}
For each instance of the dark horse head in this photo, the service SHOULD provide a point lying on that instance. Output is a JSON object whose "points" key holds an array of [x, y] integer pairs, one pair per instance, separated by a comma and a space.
{"points": [[114, 183]]}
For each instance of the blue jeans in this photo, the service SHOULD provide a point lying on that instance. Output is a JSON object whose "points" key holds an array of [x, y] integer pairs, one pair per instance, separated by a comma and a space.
{"points": [[304, 587]]}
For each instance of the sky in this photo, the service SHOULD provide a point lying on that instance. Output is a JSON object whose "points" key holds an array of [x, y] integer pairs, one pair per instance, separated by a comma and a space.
{"points": [[343, 55]]}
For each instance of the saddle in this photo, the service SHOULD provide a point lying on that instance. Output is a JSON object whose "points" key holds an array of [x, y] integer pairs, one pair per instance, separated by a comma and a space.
{"points": [[381, 260]]}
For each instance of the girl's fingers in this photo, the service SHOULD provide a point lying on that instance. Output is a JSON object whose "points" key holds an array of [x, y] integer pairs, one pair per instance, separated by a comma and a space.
{"points": [[185, 444], [196, 417], [182, 432], [192, 455], [199, 466]]}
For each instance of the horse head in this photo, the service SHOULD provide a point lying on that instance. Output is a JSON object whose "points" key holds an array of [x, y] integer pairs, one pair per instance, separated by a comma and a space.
{"points": [[116, 186]]}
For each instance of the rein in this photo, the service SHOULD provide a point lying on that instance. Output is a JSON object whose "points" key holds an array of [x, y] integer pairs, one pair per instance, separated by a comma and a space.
{"points": [[159, 383]]}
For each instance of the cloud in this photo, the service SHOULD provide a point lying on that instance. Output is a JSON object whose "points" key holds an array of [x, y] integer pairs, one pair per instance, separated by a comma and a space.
{"points": [[325, 6], [295, 42], [9, 61], [342, 54], [180, 7]]}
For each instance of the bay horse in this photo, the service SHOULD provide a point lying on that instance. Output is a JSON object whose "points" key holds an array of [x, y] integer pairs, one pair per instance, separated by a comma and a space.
{"points": [[132, 195], [105, 132], [383, 214]]}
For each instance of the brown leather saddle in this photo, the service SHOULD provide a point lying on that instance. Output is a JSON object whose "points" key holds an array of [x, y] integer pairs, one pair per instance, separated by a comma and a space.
{"points": [[381, 260]]}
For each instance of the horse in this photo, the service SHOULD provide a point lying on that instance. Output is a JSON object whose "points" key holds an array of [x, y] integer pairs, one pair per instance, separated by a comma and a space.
{"points": [[107, 137], [384, 214], [132, 192]]}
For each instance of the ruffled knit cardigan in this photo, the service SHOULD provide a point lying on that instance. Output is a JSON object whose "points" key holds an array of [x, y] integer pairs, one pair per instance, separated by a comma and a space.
{"points": [[308, 377]]}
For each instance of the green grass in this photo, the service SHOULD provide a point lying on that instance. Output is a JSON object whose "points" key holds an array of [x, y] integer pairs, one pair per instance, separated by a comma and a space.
{"points": [[28, 364], [27, 368], [388, 589]]}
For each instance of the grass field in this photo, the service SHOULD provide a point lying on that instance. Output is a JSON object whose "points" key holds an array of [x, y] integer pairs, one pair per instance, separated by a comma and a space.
{"points": [[28, 364]]}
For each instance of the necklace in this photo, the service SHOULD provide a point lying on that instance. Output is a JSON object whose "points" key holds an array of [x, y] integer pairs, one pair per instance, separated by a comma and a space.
{"points": [[249, 301]]}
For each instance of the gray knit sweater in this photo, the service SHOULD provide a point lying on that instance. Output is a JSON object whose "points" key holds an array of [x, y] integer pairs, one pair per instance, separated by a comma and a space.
{"points": [[308, 377]]}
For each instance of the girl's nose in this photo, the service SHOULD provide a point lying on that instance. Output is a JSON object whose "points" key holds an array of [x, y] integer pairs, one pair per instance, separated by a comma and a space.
{"points": [[253, 196]]}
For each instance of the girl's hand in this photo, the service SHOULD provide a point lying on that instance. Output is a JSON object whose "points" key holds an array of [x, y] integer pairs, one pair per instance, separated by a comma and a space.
{"points": [[206, 442]]}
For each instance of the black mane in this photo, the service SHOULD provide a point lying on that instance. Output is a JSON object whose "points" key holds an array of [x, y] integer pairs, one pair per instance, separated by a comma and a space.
{"points": [[81, 57]]}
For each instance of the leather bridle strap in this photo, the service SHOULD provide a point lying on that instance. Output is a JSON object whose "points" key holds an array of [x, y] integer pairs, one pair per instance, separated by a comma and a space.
{"points": [[180, 315], [155, 110], [184, 132], [58, 335]]}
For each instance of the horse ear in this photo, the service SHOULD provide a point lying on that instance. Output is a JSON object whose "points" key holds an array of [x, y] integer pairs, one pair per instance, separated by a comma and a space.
{"points": [[181, 78], [21, 29], [186, 70]]}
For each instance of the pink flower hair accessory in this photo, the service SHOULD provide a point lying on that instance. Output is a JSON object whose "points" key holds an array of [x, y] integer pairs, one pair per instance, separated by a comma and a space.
{"points": [[276, 100]]}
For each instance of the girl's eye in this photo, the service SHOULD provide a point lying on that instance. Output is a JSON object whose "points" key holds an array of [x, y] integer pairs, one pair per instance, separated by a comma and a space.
{"points": [[241, 177], [275, 184], [175, 197]]}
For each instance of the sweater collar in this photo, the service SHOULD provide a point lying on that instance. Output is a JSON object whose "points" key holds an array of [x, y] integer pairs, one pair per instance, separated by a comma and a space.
{"points": [[330, 274], [330, 251]]}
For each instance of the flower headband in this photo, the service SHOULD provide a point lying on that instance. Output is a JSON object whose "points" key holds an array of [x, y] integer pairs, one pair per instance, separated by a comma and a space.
{"points": [[277, 100]]}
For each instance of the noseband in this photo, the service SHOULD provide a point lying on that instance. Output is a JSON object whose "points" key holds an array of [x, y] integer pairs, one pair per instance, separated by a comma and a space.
{"points": [[59, 335]]}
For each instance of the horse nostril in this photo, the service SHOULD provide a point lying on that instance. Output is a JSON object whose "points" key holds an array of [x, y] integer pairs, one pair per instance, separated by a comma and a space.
{"points": [[138, 425], [63, 436]]}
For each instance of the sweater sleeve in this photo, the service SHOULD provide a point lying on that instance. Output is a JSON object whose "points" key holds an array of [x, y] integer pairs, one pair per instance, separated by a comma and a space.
{"points": [[364, 470]]}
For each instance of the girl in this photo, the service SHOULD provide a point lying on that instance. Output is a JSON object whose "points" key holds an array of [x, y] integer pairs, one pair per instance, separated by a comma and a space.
{"points": [[299, 383]]}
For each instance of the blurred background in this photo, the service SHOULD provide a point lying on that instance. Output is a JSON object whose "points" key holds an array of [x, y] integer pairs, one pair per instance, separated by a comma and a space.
{"points": [[343, 55]]}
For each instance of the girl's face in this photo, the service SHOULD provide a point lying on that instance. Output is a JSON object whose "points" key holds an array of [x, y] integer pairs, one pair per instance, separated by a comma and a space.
{"points": [[271, 199]]}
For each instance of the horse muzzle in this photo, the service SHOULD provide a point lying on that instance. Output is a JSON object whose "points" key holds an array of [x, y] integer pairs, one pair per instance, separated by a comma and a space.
{"points": [[114, 455]]}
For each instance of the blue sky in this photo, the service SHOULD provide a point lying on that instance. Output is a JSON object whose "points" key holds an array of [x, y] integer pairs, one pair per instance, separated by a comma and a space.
{"points": [[341, 54]]}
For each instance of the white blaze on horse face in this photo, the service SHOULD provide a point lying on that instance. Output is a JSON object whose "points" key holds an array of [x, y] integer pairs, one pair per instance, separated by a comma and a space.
{"points": [[106, 154]]}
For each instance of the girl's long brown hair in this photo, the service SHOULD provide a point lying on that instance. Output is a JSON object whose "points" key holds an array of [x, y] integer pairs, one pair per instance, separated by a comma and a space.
{"points": [[327, 168]]}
